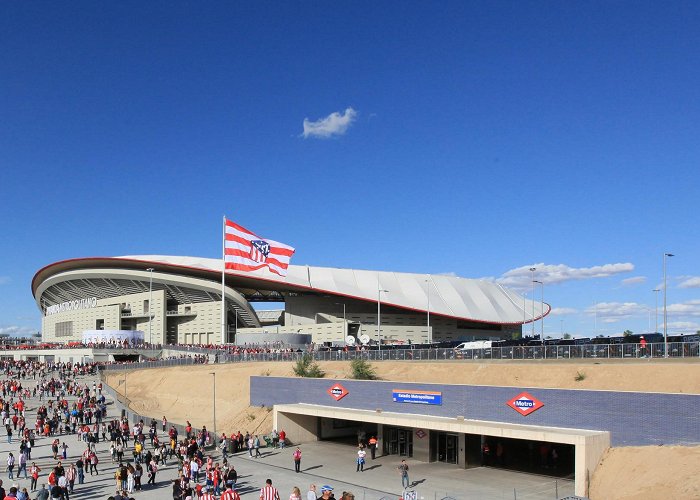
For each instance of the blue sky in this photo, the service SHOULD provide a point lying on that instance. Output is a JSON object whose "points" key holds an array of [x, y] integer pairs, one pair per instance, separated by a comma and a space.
{"points": [[473, 138]]}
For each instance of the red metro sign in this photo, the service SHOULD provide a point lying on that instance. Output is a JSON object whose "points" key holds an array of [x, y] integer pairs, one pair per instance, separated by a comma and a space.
{"points": [[337, 392], [525, 404]]}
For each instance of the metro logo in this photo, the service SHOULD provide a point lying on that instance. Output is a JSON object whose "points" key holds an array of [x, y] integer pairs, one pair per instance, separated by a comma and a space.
{"points": [[525, 404], [338, 392]]}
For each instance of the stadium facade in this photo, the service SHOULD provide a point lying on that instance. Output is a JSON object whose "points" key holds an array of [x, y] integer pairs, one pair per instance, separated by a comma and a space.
{"points": [[178, 300]]}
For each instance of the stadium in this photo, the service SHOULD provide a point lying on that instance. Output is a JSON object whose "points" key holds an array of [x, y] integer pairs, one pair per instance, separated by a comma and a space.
{"points": [[177, 300]]}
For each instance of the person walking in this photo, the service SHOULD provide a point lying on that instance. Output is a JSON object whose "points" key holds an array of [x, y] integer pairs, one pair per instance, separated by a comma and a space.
{"points": [[256, 445], [152, 469], [34, 472], [361, 454], [71, 474], [22, 465], [10, 465], [311, 494], [373, 446], [269, 492], [80, 467], [230, 494], [93, 463], [297, 459], [403, 471], [296, 494]]}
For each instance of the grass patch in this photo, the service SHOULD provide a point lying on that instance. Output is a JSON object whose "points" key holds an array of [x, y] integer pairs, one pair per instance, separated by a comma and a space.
{"points": [[580, 376]]}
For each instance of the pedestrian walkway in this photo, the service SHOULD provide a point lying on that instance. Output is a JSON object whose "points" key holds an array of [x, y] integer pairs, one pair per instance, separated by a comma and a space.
{"points": [[323, 463]]}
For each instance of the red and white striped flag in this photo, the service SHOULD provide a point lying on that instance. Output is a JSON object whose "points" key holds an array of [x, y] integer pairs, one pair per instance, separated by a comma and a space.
{"points": [[246, 251]]}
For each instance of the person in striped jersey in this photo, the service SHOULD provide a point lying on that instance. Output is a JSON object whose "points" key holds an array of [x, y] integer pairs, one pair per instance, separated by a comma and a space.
{"points": [[230, 494], [269, 492], [206, 495]]}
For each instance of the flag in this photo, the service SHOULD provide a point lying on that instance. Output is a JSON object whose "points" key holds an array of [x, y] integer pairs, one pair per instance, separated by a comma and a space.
{"points": [[246, 251]]}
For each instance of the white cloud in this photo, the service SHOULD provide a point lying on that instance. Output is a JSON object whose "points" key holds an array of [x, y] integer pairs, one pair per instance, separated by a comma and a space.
{"points": [[636, 280], [683, 326], [562, 311], [550, 274], [19, 331], [692, 282], [611, 312], [684, 309], [333, 124]]}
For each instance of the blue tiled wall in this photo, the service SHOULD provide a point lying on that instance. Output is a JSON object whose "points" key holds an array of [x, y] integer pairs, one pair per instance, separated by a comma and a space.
{"points": [[633, 418]]}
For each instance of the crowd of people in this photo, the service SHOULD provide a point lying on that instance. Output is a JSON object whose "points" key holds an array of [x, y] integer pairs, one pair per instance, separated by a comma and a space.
{"points": [[69, 414]]}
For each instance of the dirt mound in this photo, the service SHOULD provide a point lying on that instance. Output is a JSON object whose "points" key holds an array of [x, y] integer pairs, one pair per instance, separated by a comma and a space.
{"points": [[647, 472]]}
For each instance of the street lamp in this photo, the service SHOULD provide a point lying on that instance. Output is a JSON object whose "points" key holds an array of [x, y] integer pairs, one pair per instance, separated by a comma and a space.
{"points": [[150, 304], [430, 336], [542, 310], [379, 314], [214, 375], [665, 332], [123, 382], [656, 313], [532, 272]]}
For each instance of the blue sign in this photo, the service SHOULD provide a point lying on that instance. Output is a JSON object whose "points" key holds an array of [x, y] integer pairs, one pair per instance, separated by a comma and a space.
{"points": [[419, 397]]}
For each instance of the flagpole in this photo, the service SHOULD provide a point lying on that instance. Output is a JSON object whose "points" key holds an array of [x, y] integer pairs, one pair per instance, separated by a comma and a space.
{"points": [[223, 283]]}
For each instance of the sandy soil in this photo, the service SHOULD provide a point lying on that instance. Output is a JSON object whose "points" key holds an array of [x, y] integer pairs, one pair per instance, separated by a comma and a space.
{"points": [[625, 473], [647, 472]]}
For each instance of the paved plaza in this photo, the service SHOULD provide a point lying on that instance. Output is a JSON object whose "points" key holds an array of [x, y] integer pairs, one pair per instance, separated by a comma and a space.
{"points": [[323, 463]]}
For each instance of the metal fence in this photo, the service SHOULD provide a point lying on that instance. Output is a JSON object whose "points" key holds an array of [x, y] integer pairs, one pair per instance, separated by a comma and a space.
{"points": [[594, 351], [149, 364], [584, 351]]}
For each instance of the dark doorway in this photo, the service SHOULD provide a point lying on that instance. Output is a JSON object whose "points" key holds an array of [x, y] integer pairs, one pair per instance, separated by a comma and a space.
{"points": [[443, 447], [398, 441], [552, 459]]}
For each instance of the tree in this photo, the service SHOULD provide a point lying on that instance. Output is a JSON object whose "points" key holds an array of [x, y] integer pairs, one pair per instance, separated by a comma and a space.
{"points": [[566, 336], [360, 369], [307, 367], [627, 333]]}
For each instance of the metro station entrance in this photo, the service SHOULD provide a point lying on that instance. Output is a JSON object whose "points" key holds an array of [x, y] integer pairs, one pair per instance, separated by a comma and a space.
{"points": [[398, 441], [443, 447]]}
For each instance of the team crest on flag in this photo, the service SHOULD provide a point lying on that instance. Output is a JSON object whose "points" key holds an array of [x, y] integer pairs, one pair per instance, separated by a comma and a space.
{"points": [[259, 250], [246, 251]]}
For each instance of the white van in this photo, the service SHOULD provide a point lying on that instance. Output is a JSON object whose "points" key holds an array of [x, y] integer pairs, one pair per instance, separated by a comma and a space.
{"points": [[474, 344]]}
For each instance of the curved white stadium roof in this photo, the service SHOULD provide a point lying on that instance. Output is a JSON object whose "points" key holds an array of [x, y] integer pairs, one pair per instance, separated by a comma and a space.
{"points": [[448, 296]]}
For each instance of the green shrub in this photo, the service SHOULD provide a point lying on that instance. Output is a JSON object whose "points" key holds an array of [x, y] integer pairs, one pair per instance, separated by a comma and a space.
{"points": [[307, 367], [360, 369]]}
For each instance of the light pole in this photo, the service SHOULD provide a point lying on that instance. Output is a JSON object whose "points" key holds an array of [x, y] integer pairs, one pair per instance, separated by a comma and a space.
{"points": [[150, 304], [379, 314], [656, 312], [214, 375], [542, 310], [665, 331], [532, 272], [430, 336]]}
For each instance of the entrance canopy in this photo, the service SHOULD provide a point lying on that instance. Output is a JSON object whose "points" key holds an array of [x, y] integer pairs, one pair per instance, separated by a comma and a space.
{"points": [[299, 422]]}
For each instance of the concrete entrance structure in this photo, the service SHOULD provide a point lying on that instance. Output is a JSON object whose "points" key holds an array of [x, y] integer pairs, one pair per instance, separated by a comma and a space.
{"points": [[302, 422]]}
